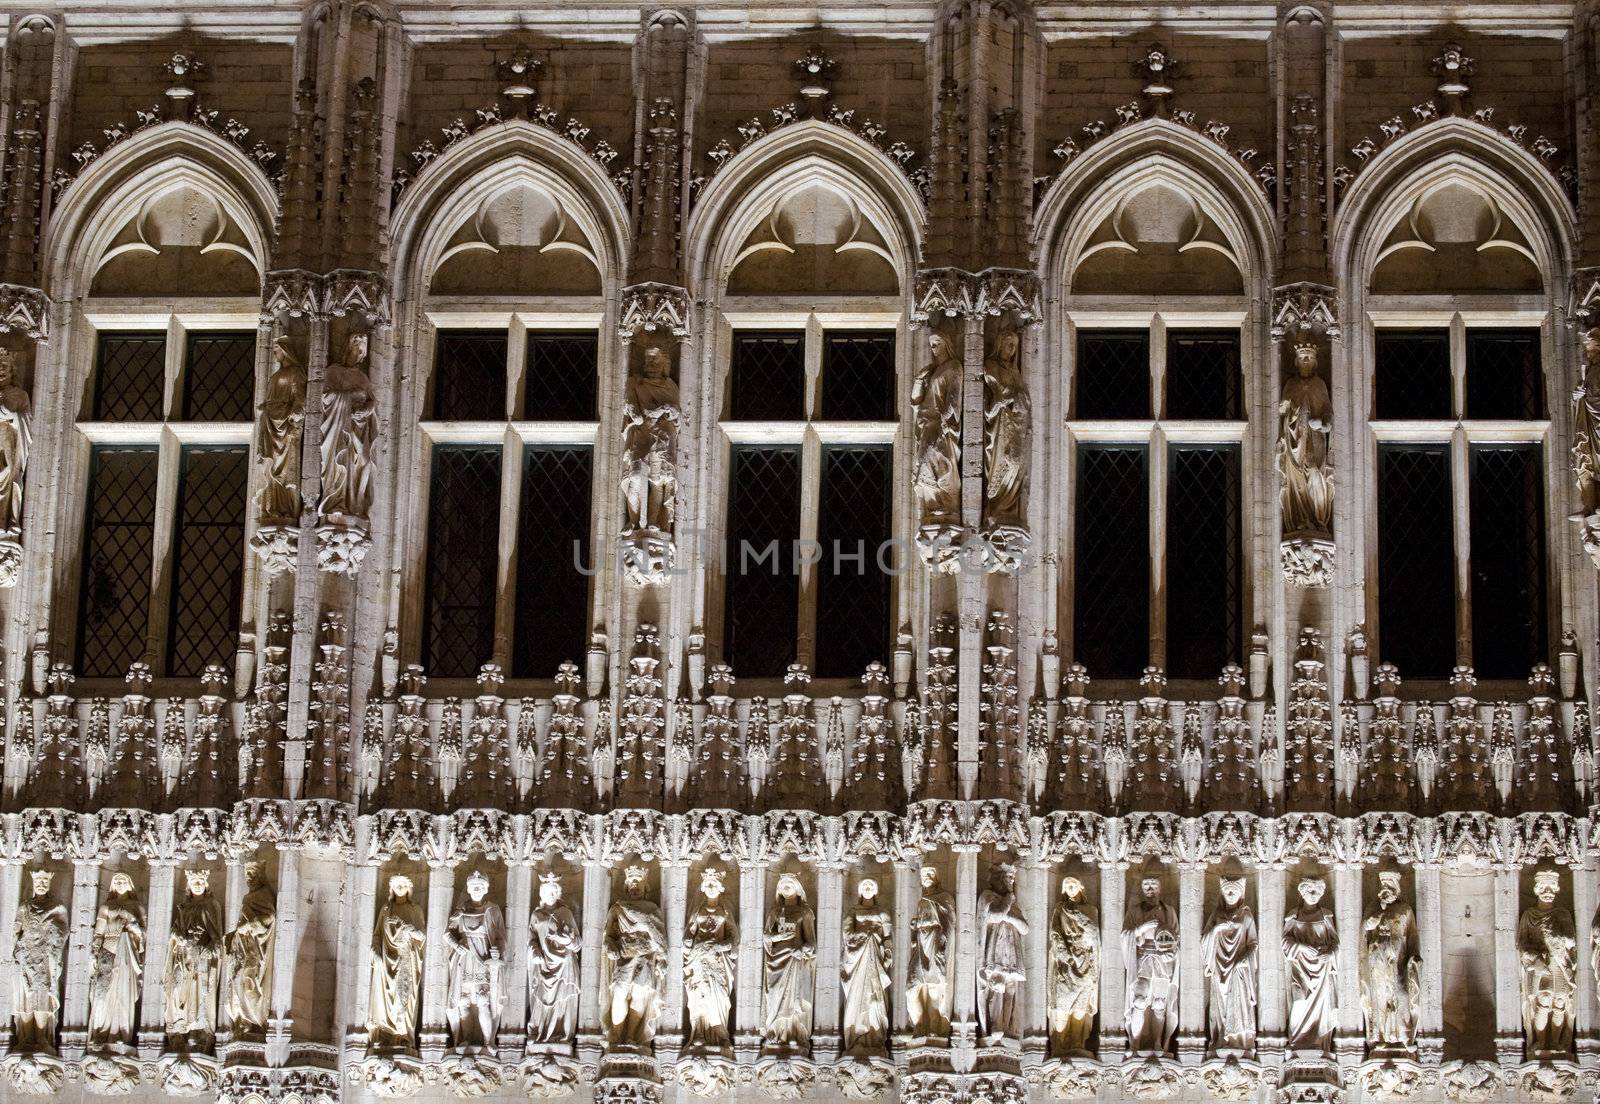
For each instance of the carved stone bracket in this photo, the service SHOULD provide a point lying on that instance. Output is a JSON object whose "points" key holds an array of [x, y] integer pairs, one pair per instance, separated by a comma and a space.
{"points": [[342, 545], [1305, 308], [1584, 302], [653, 308], [954, 292], [24, 311], [1064, 835], [642, 832], [342, 293]]}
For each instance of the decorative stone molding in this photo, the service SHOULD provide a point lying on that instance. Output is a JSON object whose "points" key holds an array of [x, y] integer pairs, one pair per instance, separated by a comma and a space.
{"points": [[652, 307], [954, 292], [24, 311], [1132, 114]]}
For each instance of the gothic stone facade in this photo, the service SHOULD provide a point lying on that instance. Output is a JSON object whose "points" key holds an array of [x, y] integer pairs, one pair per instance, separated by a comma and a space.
{"points": [[1240, 360]]}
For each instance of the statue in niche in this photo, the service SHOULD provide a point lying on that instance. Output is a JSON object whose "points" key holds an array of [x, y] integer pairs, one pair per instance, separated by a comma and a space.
{"points": [[1391, 971], [1228, 960], [865, 972], [636, 948], [347, 428], [477, 952], [651, 416], [117, 950], [1007, 430], [928, 982], [1074, 982], [16, 441], [555, 943], [1547, 942], [1001, 928], [41, 941], [1310, 949], [936, 394], [1150, 952], [396, 987], [278, 430], [710, 947], [790, 969], [1586, 440], [194, 964], [249, 948], [1305, 420]]}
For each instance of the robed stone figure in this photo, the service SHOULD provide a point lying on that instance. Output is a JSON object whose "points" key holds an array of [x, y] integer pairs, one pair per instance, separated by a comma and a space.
{"points": [[1228, 960], [710, 950], [789, 968], [117, 950], [396, 981], [1007, 431], [41, 941], [250, 948], [347, 431], [476, 939], [1305, 415], [928, 982], [194, 965], [1547, 944], [1310, 953], [865, 973], [936, 395], [1150, 953], [636, 950], [651, 417], [1391, 971], [555, 943], [1001, 929], [1074, 979]]}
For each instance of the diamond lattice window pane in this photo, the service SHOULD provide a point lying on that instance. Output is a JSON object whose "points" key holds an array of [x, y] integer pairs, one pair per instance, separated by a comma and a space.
{"points": [[768, 376], [130, 373], [563, 372], [552, 617], [1204, 561], [1112, 561], [1504, 378], [858, 376], [853, 593], [1412, 374], [469, 376], [761, 603], [1509, 619], [1416, 560], [114, 604], [208, 554], [463, 559], [1113, 374], [1203, 375], [219, 377]]}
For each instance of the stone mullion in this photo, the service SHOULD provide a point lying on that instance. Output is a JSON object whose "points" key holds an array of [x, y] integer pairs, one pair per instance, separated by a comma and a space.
{"points": [[307, 615], [1192, 988], [1113, 886], [970, 584], [10, 901], [826, 1005], [434, 1033], [233, 890], [519, 905]]}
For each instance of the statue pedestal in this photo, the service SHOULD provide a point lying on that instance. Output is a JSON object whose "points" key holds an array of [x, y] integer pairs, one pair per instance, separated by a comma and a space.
{"points": [[1307, 559], [278, 546], [10, 556], [647, 556], [1006, 548], [34, 1074], [342, 544], [942, 546]]}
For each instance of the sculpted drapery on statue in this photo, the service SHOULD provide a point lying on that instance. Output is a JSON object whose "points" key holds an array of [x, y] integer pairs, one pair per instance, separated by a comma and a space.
{"points": [[1391, 971], [16, 441], [1150, 953], [1305, 419], [928, 978], [864, 971], [651, 416], [1001, 929], [555, 943], [936, 394], [278, 431], [117, 946], [1586, 441], [194, 962], [347, 429], [477, 950], [1310, 950], [1228, 960], [1547, 943], [41, 941], [1008, 431], [249, 947], [790, 968], [636, 949], [1074, 979], [396, 983], [710, 947]]}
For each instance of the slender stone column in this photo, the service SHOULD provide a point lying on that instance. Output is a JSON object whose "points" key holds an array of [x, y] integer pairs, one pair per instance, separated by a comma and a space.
{"points": [[1113, 982], [1192, 988], [1350, 1039], [825, 1008], [1273, 999], [1034, 892], [1507, 965], [434, 1034], [157, 926], [80, 962], [907, 892], [1430, 1016], [514, 1014]]}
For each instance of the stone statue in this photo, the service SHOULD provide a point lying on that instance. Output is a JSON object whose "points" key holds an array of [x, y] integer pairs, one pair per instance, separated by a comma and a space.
{"points": [[1305, 418], [16, 440], [936, 394], [249, 948], [194, 965], [477, 952], [790, 969], [117, 947], [1391, 971], [636, 948], [710, 948], [1586, 441], [347, 427], [1007, 431], [40, 952], [1228, 960], [651, 416], [396, 987], [1310, 949], [1547, 943], [928, 981], [1001, 928], [1073, 995], [278, 432], [555, 943], [1150, 953], [865, 974]]}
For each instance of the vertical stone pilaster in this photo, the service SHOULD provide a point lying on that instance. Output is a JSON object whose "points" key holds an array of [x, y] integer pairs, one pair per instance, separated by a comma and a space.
{"points": [[1507, 965], [1274, 1009], [1113, 970], [1350, 1038], [826, 1008], [433, 1035], [1430, 1016], [1192, 983], [1035, 894], [157, 927], [519, 904], [906, 894]]}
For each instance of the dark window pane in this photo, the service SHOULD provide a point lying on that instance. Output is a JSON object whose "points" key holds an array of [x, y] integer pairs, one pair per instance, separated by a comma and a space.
{"points": [[853, 593], [768, 378], [1113, 374], [469, 376], [552, 617], [219, 379], [1204, 596], [858, 376], [563, 371], [1416, 560], [1112, 606], [463, 559], [114, 606], [208, 550], [130, 371], [1413, 374], [1503, 376], [761, 615], [1508, 576], [1203, 374]]}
